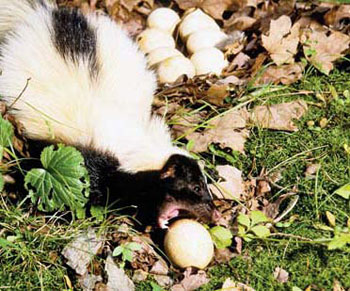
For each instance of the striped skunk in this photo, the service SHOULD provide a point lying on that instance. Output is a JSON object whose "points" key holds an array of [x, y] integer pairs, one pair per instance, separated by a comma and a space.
{"points": [[87, 85]]}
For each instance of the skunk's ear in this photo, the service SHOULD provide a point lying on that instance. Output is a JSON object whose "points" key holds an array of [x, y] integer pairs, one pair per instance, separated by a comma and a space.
{"points": [[168, 171]]}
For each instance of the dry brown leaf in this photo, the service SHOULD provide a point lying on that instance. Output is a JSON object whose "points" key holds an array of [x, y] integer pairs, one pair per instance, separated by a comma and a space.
{"points": [[285, 74], [88, 281], [227, 131], [240, 61], [282, 47], [311, 169], [323, 47], [191, 282], [230, 285], [81, 250], [241, 23], [338, 17], [223, 255], [281, 275], [117, 279], [279, 116], [215, 8], [337, 286], [233, 187]]}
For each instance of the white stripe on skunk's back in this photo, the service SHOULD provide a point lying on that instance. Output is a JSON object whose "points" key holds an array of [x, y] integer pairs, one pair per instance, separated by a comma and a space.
{"points": [[102, 100]]}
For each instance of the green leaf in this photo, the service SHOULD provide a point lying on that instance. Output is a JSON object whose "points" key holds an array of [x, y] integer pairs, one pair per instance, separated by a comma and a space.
{"points": [[221, 236], [261, 231], [117, 251], [98, 212], [6, 133], [63, 181], [243, 219], [133, 246], [127, 255], [80, 213], [343, 191], [156, 287], [339, 241], [2, 182], [258, 217]]}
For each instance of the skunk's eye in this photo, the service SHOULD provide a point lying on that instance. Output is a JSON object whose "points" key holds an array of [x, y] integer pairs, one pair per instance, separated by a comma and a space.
{"points": [[196, 189]]}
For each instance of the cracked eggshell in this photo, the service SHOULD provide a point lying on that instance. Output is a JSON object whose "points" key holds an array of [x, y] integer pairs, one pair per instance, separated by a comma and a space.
{"points": [[164, 19], [152, 38], [160, 54], [172, 68], [204, 39], [209, 60], [188, 244], [196, 21]]}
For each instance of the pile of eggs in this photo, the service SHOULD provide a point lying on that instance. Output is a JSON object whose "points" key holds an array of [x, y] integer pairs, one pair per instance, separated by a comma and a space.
{"points": [[197, 30]]}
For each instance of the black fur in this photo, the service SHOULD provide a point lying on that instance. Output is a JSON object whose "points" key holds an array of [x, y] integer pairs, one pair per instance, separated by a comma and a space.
{"points": [[74, 37]]}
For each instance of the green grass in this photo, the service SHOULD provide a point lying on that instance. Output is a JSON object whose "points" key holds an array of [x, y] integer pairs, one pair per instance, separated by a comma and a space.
{"points": [[34, 262]]}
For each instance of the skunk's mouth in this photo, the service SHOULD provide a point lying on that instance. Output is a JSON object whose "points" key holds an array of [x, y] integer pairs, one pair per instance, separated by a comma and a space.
{"points": [[170, 211]]}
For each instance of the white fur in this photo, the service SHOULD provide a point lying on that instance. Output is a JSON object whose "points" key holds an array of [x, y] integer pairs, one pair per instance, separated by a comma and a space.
{"points": [[64, 103]]}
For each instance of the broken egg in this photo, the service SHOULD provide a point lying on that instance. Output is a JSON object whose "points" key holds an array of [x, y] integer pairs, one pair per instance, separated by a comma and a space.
{"points": [[164, 19], [172, 68], [188, 244]]}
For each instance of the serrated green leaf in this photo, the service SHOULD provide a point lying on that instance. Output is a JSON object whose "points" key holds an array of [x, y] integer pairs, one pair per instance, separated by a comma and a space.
{"points": [[97, 212], [344, 191], [260, 231], [339, 241], [6, 132], [2, 182], [63, 181], [258, 217], [133, 246], [221, 236], [243, 219], [117, 251]]}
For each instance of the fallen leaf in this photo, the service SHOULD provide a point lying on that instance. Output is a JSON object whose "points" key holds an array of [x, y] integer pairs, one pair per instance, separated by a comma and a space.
{"points": [[160, 268], [117, 279], [281, 275], [337, 286], [338, 17], [223, 255], [279, 116], [233, 187], [227, 131], [282, 47], [311, 169], [215, 8], [240, 61], [81, 250], [88, 281], [322, 47], [285, 74], [139, 275], [230, 285], [242, 23], [191, 281]]}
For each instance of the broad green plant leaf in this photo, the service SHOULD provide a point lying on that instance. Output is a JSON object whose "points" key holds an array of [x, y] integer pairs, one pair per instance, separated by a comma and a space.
{"points": [[339, 241], [98, 212], [258, 217], [344, 191], [243, 219], [221, 236], [133, 246], [63, 180], [261, 231], [6, 135]]}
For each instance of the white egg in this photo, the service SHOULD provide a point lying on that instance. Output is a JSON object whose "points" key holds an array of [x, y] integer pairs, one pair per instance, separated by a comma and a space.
{"points": [[196, 21], [164, 19], [160, 54], [172, 68], [204, 39], [188, 244], [209, 60], [152, 38]]}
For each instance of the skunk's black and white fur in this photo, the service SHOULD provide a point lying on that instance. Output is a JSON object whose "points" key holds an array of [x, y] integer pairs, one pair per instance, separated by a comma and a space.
{"points": [[87, 84]]}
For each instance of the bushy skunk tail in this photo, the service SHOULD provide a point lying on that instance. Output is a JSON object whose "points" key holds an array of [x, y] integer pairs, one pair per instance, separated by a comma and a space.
{"points": [[13, 12]]}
